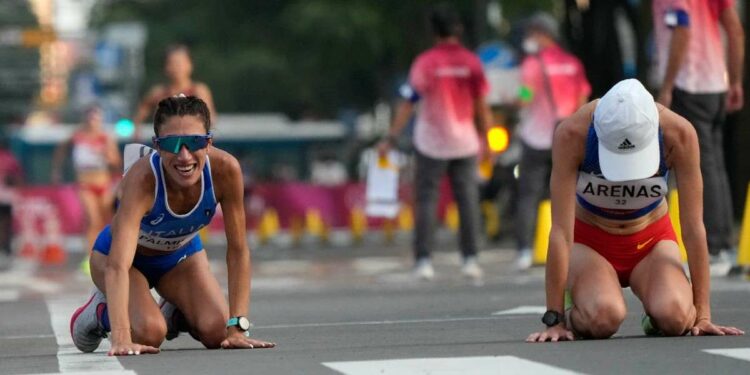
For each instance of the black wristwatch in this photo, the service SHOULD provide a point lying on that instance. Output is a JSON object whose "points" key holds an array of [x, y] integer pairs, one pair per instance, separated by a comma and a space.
{"points": [[552, 318]]}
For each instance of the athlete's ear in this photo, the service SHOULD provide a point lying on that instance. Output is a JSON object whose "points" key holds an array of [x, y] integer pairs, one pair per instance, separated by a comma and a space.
{"points": [[155, 141]]}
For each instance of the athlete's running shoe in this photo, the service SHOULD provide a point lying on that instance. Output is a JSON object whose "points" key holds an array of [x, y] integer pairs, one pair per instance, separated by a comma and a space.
{"points": [[174, 318], [648, 326], [85, 325]]}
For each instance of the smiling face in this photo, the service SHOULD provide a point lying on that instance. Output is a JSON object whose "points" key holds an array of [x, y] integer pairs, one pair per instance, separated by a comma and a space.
{"points": [[184, 168]]}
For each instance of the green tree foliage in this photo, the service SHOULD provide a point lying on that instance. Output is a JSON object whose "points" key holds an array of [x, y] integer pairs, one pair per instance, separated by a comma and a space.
{"points": [[301, 57]]}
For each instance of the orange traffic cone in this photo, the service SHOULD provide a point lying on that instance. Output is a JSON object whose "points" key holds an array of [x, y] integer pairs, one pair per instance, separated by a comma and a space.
{"points": [[53, 253]]}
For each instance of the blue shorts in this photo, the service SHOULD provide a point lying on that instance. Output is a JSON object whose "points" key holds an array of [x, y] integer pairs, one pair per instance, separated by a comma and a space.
{"points": [[153, 267]]}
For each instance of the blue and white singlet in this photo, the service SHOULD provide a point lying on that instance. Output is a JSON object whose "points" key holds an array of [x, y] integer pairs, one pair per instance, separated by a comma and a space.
{"points": [[162, 229]]}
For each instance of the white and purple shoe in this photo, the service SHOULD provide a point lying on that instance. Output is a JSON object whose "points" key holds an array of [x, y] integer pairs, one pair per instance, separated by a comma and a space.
{"points": [[85, 324]]}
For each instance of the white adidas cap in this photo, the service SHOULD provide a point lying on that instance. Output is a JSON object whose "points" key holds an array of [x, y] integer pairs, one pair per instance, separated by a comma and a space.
{"points": [[627, 124]]}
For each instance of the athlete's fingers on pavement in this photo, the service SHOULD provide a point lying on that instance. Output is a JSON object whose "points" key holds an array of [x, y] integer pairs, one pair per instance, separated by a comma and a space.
{"points": [[532, 337], [543, 337], [734, 331], [569, 336], [554, 338]]}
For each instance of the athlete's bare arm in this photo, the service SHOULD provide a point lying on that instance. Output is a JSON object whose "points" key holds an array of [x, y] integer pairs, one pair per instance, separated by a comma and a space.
{"points": [[113, 154], [730, 20], [146, 107], [58, 159], [202, 91], [567, 154], [137, 199], [227, 174], [683, 157]]}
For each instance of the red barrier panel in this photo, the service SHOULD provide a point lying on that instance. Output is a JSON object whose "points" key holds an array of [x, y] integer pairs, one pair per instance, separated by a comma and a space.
{"points": [[63, 197], [290, 200]]}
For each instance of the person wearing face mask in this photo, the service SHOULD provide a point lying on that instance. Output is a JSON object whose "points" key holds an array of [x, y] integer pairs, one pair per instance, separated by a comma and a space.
{"points": [[178, 68], [166, 197], [554, 85]]}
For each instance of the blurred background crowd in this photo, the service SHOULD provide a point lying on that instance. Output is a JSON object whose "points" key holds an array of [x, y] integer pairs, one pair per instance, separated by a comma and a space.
{"points": [[301, 89]]}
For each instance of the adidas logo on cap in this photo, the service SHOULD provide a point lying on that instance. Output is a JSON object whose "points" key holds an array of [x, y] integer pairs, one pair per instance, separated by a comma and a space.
{"points": [[625, 145]]}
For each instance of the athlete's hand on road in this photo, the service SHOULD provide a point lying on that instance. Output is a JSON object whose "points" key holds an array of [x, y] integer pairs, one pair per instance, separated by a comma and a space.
{"points": [[553, 334], [704, 327], [238, 340], [132, 349]]}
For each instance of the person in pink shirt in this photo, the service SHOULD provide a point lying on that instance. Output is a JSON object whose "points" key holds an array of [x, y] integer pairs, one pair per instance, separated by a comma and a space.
{"points": [[700, 84], [449, 89], [554, 85]]}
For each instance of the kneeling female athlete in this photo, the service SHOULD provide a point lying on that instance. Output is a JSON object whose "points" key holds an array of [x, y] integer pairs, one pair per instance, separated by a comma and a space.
{"points": [[165, 198], [610, 222]]}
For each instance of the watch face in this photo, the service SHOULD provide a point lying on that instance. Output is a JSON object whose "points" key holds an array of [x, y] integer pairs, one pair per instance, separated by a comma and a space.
{"points": [[243, 323], [551, 318]]}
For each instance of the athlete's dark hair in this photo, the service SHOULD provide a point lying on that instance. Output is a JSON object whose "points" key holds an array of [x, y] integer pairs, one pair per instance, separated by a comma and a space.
{"points": [[181, 105], [445, 21]]}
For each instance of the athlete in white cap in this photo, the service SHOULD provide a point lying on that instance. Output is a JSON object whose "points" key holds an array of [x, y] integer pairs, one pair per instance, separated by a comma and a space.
{"points": [[610, 222]]}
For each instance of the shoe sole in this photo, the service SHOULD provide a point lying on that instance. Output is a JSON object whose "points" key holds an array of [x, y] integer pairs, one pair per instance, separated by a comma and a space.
{"points": [[75, 316]]}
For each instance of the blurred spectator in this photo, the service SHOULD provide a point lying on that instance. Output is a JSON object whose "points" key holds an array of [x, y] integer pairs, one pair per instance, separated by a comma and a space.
{"points": [[605, 35], [554, 85], [694, 72], [178, 68], [450, 87], [11, 176], [95, 159]]}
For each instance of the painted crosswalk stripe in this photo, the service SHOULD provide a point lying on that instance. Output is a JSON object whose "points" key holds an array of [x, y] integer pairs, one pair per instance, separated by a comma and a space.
{"points": [[522, 310], [736, 353], [447, 366], [70, 359], [9, 295]]}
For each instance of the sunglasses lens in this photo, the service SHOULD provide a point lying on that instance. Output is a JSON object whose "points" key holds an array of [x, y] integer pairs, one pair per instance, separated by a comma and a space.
{"points": [[192, 142]]}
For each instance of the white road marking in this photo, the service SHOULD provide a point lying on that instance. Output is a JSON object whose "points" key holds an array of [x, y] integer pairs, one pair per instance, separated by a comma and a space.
{"points": [[70, 359], [522, 310], [377, 322], [736, 353], [446, 366], [9, 295]]}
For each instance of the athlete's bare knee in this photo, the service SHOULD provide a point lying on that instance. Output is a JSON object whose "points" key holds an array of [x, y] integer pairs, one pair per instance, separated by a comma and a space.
{"points": [[672, 316], [211, 332], [150, 330], [600, 319]]}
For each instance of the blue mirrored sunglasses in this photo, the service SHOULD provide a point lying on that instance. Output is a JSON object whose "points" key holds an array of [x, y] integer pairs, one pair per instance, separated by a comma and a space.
{"points": [[174, 143]]}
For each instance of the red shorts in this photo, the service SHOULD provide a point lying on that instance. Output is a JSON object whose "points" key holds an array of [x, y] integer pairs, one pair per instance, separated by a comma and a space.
{"points": [[624, 252]]}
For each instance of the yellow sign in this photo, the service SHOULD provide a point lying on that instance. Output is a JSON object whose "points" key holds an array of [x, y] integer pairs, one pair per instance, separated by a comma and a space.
{"points": [[37, 37]]}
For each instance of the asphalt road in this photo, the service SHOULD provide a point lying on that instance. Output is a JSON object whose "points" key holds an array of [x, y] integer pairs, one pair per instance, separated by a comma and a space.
{"points": [[357, 311]]}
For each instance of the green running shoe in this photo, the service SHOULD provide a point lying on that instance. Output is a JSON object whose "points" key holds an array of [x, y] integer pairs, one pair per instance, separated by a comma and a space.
{"points": [[648, 327]]}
